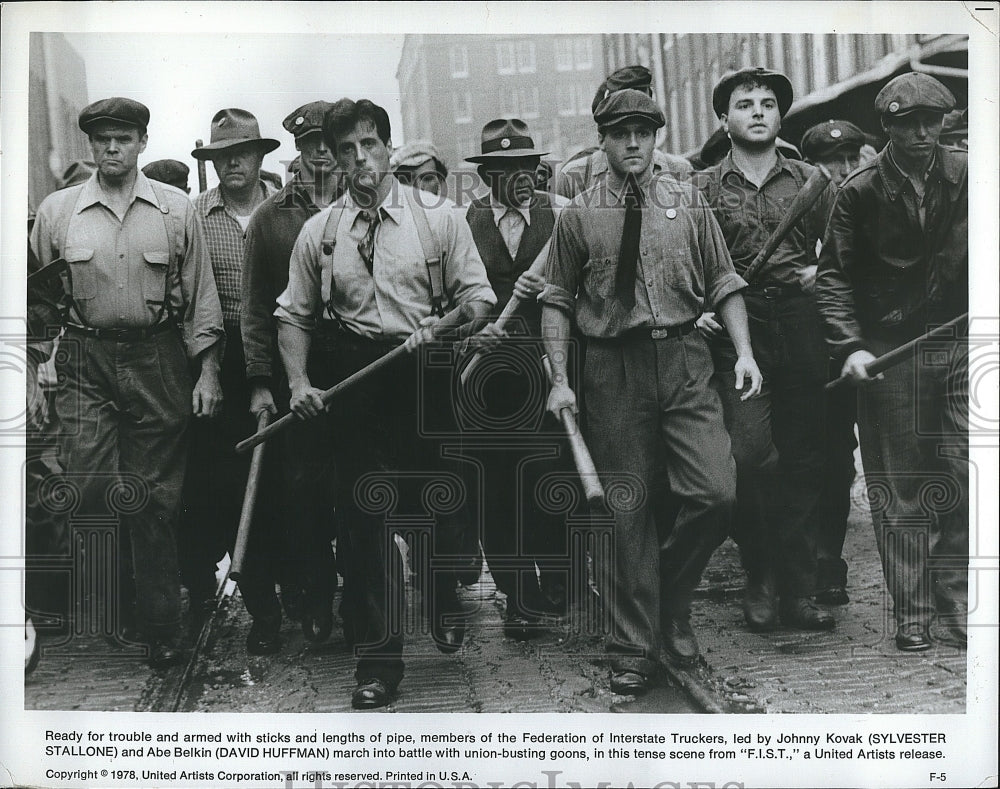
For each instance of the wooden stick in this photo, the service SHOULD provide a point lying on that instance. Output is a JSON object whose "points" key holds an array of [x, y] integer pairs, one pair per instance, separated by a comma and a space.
{"points": [[249, 501], [896, 355], [581, 455], [202, 171]]}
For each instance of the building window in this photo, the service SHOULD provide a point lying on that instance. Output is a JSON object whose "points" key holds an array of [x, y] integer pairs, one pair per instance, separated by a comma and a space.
{"points": [[566, 100], [505, 57], [564, 54], [508, 102], [462, 104], [459, 61], [584, 97], [526, 57], [528, 102], [583, 54]]}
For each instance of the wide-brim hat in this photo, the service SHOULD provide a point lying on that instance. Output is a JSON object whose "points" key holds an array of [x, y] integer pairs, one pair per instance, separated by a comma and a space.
{"points": [[234, 127], [505, 138], [775, 80]]}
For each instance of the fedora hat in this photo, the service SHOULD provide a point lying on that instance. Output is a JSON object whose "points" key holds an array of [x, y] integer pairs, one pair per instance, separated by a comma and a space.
{"points": [[234, 127], [505, 138]]}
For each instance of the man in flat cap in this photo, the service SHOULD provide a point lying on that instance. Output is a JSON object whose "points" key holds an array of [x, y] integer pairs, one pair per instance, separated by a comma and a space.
{"points": [[895, 261], [169, 171], [512, 227], [836, 145], [302, 455], [144, 314], [580, 174], [778, 439], [216, 476], [419, 164], [633, 260], [375, 271]]}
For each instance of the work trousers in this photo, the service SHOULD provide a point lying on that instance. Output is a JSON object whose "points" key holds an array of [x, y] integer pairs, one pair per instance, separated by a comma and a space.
{"points": [[390, 475], [914, 428], [649, 402], [214, 486], [124, 409], [778, 437]]}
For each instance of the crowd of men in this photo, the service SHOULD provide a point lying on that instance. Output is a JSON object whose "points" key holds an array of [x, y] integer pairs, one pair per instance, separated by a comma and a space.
{"points": [[624, 288]]}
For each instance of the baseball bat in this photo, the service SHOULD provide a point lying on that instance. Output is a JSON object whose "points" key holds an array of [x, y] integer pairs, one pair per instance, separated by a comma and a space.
{"points": [[456, 317], [581, 455], [249, 501], [202, 172], [810, 192], [896, 355]]}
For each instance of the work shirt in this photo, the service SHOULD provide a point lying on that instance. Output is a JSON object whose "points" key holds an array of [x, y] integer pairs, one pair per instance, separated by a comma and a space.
{"points": [[682, 263], [119, 268], [581, 174], [224, 236], [748, 216], [511, 223], [389, 302], [267, 247]]}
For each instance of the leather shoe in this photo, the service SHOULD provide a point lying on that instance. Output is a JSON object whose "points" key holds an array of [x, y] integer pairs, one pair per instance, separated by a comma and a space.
{"points": [[448, 639], [371, 694], [263, 638], [912, 637], [445, 607], [679, 642], [802, 614], [317, 622], [164, 655], [760, 602], [520, 626], [629, 683], [832, 595]]}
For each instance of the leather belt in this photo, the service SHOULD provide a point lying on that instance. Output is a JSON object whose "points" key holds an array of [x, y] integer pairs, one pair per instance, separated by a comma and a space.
{"points": [[654, 332], [120, 335], [773, 291]]}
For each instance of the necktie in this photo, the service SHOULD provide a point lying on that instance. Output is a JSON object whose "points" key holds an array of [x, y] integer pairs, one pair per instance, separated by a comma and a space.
{"points": [[628, 253], [366, 246]]}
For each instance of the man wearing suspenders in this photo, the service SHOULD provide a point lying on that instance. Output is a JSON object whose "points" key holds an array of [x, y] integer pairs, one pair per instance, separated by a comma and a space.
{"points": [[379, 266], [143, 305]]}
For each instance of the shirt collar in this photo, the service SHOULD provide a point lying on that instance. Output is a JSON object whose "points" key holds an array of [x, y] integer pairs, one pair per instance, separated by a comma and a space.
{"points": [[616, 184], [894, 178], [781, 163], [500, 210], [93, 193], [391, 206], [213, 197]]}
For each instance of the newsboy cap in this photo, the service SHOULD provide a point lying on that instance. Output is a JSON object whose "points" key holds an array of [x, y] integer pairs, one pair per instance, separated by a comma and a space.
{"points": [[505, 138], [232, 127], [307, 118], [168, 171], [118, 109], [628, 105], [911, 92], [635, 77], [414, 154], [775, 80], [824, 138]]}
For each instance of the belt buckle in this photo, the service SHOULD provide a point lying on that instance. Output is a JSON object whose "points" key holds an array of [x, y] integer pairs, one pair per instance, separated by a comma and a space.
{"points": [[659, 334], [771, 291]]}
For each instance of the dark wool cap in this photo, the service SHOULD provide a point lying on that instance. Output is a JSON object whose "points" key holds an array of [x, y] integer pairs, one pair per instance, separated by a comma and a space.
{"points": [[914, 91], [167, 171], [825, 138], [628, 105], [635, 77], [307, 118], [775, 80], [117, 109]]}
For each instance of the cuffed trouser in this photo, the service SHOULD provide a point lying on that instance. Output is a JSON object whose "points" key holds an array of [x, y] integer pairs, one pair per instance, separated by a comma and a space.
{"points": [[642, 396], [778, 439], [124, 409], [914, 427]]}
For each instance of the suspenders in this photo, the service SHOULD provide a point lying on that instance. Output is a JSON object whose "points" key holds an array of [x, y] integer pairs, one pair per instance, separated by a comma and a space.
{"points": [[428, 245]]}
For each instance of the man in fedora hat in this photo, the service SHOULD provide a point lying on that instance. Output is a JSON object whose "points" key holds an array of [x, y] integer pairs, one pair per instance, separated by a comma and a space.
{"points": [[578, 175], [307, 573], [778, 439], [144, 312], [217, 476], [512, 226]]}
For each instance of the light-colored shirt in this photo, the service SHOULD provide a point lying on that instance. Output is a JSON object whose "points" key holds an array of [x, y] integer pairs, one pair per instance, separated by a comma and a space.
{"points": [[586, 172], [119, 267], [390, 302], [511, 223], [683, 262]]}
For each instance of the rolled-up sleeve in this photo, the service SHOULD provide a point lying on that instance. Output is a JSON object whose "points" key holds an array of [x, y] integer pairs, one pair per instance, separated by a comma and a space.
{"points": [[301, 302], [465, 275], [202, 310], [721, 279], [567, 256]]}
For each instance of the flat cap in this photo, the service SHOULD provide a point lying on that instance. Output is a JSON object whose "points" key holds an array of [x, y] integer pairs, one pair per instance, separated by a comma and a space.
{"points": [[127, 111], [911, 92], [307, 118], [824, 138], [414, 154], [628, 105], [167, 171], [635, 77], [775, 80], [77, 172]]}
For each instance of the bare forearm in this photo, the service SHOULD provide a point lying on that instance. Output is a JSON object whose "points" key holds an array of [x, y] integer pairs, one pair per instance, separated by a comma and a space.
{"points": [[555, 334], [293, 345], [734, 316]]}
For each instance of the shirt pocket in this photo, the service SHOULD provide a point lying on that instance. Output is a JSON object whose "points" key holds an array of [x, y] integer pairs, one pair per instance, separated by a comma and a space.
{"points": [[82, 272], [154, 276], [599, 277]]}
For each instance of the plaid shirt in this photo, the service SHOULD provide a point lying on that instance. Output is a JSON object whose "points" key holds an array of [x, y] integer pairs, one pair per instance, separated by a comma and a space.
{"points": [[224, 237]]}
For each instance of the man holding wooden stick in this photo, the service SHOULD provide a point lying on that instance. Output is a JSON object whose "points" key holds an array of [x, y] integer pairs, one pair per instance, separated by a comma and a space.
{"points": [[633, 260], [379, 266], [894, 263]]}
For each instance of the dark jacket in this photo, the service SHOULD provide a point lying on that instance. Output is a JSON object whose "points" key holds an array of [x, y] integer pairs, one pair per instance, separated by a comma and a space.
{"points": [[880, 273]]}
